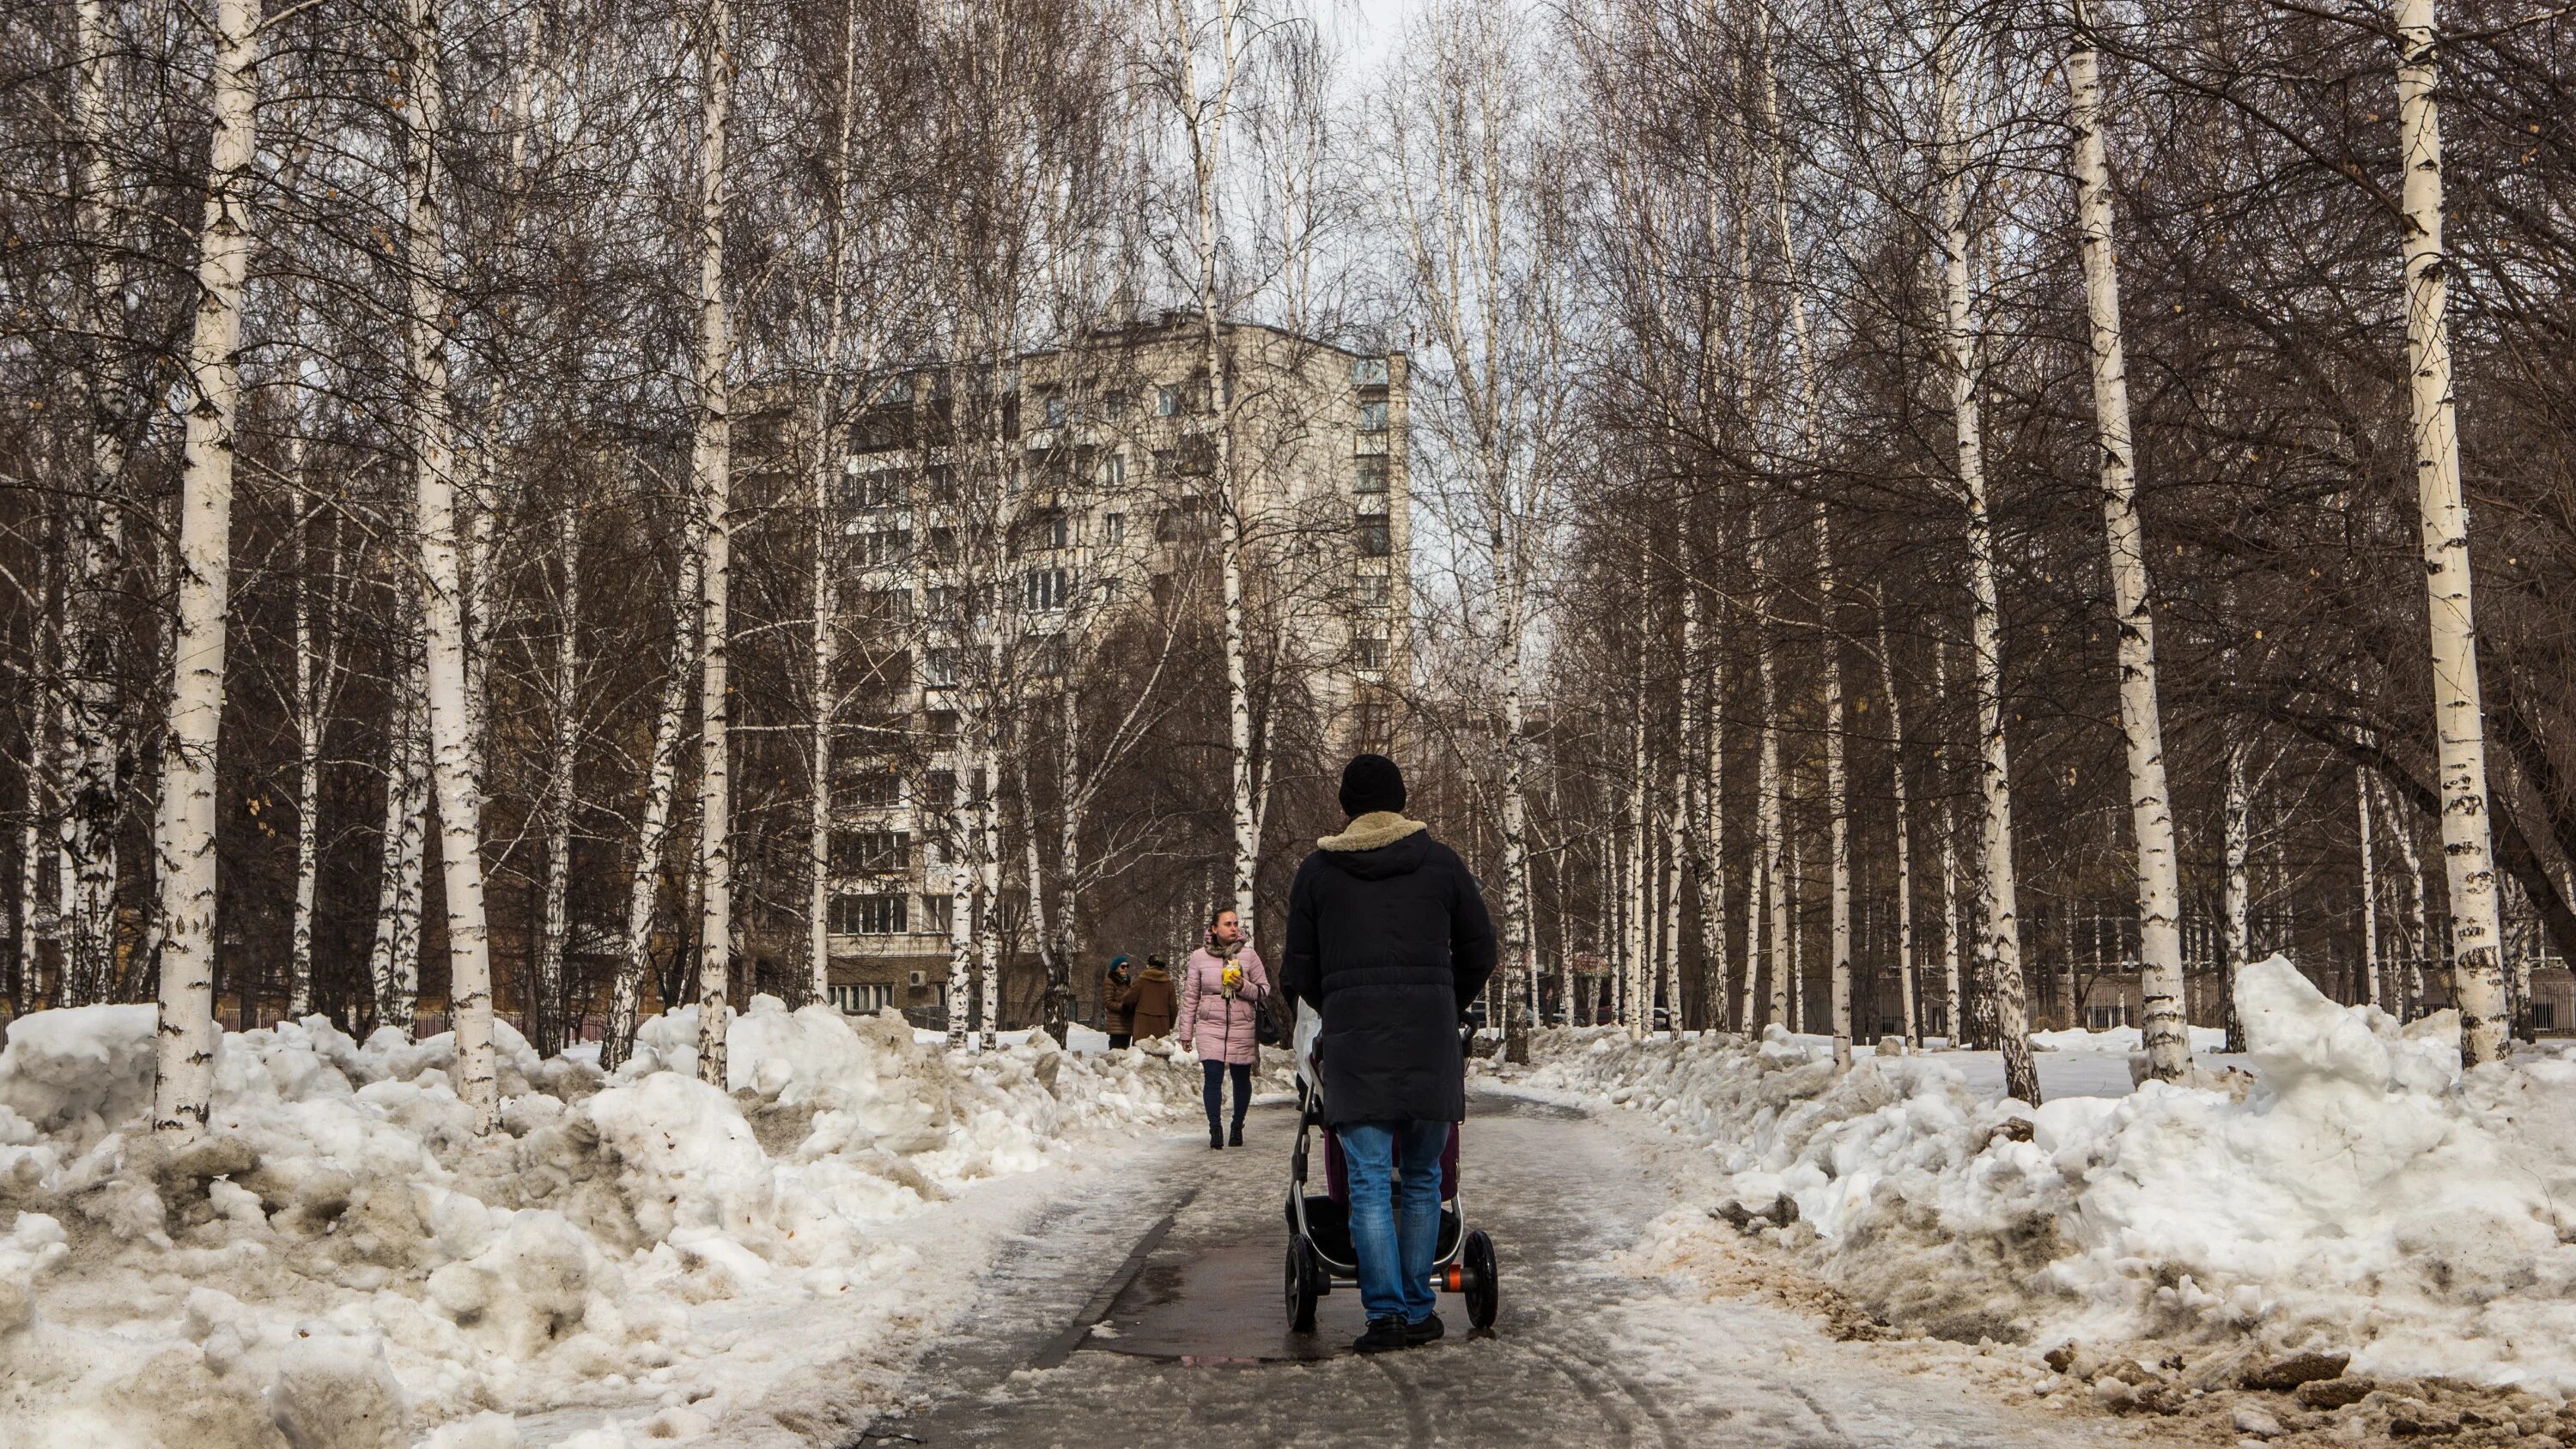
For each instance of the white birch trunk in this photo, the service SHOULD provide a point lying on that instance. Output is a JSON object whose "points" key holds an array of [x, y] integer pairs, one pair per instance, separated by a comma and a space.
{"points": [[451, 719], [1707, 806], [308, 760], [2477, 981], [393, 965], [1999, 929], [1908, 993], [661, 791], [2410, 984], [988, 898], [556, 929], [1953, 996], [1637, 984], [2370, 983], [1517, 966], [710, 477], [961, 899], [2235, 890], [2160, 979], [88, 788], [824, 536], [1676, 850], [184, 1059]]}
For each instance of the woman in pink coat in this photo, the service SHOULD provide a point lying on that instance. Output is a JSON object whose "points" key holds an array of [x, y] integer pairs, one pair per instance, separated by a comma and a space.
{"points": [[1223, 990]]}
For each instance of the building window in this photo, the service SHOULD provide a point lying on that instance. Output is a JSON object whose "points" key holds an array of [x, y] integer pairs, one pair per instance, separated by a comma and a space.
{"points": [[1059, 530], [885, 606], [868, 852], [1113, 528], [863, 998], [1372, 478], [1376, 539], [1169, 401], [939, 669], [937, 912], [882, 548], [1113, 471], [1046, 590], [1113, 404], [940, 481], [1372, 651], [1054, 408], [1374, 593], [870, 915], [876, 488], [871, 788], [896, 390], [1373, 416], [1368, 372]]}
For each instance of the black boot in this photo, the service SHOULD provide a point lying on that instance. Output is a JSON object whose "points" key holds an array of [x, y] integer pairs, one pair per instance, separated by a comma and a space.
{"points": [[1428, 1330], [1235, 1138], [1216, 1138], [1385, 1335]]}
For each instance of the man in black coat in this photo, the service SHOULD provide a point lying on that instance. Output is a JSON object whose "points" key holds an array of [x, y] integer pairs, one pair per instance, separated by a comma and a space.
{"points": [[1389, 940]]}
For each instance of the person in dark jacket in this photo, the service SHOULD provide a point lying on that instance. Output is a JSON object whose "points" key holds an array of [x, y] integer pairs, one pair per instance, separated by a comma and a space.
{"points": [[1388, 940], [1150, 1001], [1118, 1021]]}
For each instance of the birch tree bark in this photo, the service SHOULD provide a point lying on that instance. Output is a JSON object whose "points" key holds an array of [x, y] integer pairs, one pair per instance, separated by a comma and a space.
{"points": [[961, 897], [1953, 1001], [824, 536], [1707, 805], [2160, 979], [453, 774], [661, 788], [2370, 982], [89, 790], [184, 832], [2418, 936], [555, 930], [394, 962], [2477, 981], [2235, 892], [1810, 435], [710, 478], [1897, 795], [1999, 929]]}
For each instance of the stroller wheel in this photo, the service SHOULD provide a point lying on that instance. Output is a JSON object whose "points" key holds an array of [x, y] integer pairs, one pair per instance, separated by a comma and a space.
{"points": [[1305, 1281], [1483, 1286]]}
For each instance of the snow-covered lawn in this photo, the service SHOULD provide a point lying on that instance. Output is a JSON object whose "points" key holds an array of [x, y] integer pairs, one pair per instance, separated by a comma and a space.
{"points": [[2353, 1190], [632, 1259]]}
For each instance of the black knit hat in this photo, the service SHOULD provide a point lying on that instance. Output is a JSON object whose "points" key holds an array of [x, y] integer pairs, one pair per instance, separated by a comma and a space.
{"points": [[1371, 782]]}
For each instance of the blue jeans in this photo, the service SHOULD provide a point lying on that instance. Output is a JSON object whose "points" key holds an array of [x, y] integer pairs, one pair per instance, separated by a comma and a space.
{"points": [[1395, 1223], [1213, 1089]]}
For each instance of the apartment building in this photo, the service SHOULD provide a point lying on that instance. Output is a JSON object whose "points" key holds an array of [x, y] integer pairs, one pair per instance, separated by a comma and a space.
{"points": [[1000, 520]]}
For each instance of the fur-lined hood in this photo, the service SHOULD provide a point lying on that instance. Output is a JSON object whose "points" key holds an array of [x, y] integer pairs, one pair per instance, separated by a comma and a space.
{"points": [[1368, 832]]}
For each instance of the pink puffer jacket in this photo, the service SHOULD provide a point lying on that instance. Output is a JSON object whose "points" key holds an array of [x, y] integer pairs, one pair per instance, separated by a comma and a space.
{"points": [[1217, 1028]]}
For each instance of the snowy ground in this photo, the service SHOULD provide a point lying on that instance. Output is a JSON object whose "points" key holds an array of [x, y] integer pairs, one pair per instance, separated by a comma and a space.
{"points": [[636, 1258], [2352, 1194], [1610, 1333]]}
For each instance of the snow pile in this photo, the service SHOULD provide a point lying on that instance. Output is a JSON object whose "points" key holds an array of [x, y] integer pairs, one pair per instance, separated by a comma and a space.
{"points": [[2204, 1039], [341, 1260], [2361, 1192]]}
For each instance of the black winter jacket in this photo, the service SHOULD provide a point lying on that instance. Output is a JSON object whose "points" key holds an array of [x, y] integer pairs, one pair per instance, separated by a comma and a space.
{"points": [[1389, 940]]}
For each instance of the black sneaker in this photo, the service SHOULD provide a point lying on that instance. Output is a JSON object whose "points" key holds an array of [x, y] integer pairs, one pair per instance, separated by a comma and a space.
{"points": [[1426, 1330], [1235, 1138], [1385, 1335]]}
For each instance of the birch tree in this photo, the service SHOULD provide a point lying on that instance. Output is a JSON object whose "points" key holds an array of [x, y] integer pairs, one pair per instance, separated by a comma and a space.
{"points": [[184, 833], [1481, 217], [453, 773], [710, 484], [2160, 982], [2477, 973], [1998, 948]]}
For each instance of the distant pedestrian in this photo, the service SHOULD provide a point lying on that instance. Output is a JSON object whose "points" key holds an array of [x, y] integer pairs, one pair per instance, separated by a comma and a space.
{"points": [[1119, 1021], [1149, 1002], [1223, 991]]}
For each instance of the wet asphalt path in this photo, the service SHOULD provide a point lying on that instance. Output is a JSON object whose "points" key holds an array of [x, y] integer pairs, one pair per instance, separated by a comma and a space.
{"points": [[1150, 1314]]}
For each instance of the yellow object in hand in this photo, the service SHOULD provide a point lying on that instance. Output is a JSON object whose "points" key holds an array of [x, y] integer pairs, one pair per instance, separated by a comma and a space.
{"points": [[1233, 978]]}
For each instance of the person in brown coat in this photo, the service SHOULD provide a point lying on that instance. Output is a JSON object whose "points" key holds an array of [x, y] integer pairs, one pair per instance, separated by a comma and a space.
{"points": [[1119, 1022], [1150, 1001]]}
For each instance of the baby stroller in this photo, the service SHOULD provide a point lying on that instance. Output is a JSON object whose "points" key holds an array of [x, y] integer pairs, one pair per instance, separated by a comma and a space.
{"points": [[1319, 1224]]}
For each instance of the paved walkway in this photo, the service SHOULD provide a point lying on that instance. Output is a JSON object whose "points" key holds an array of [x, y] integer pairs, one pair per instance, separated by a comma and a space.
{"points": [[1151, 1315]]}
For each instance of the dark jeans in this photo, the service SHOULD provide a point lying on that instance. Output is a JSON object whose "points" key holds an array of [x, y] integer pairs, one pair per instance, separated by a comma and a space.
{"points": [[1212, 1091]]}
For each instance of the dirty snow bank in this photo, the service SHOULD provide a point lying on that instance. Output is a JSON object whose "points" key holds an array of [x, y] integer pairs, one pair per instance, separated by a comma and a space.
{"points": [[2361, 1192], [341, 1261]]}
